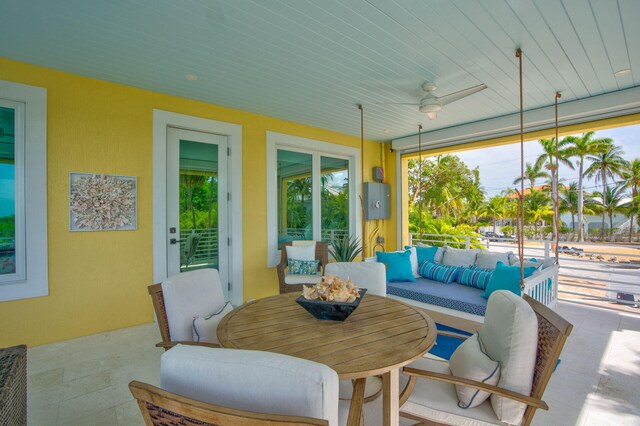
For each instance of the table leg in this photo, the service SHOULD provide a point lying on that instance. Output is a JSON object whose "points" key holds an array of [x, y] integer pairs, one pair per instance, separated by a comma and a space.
{"points": [[391, 398], [357, 398]]}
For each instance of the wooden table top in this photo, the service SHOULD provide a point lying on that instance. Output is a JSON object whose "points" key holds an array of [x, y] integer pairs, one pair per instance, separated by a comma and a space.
{"points": [[380, 335]]}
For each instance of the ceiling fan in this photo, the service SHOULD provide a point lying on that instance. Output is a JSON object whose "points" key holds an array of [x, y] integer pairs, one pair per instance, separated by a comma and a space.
{"points": [[431, 104]]}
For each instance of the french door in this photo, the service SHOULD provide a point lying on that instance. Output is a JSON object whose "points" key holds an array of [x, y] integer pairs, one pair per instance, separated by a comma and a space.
{"points": [[197, 203]]}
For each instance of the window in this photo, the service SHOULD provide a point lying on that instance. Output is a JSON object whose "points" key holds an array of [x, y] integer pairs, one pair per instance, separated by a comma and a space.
{"points": [[12, 261], [312, 191], [23, 213]]}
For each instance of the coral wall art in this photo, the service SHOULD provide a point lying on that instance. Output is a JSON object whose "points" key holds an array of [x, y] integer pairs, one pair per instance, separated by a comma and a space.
{"points": [[101, 202]]}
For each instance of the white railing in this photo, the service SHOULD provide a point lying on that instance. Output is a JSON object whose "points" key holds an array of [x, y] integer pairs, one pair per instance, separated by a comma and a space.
{"points": [[207, 250], [591, 276], [306, 234]]}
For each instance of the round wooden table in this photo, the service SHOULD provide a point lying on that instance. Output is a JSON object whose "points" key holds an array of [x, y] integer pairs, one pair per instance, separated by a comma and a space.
{"points": [[381, 336]]}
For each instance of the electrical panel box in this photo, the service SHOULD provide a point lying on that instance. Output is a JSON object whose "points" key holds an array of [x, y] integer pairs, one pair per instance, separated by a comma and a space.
{"points": [[377, 200]]}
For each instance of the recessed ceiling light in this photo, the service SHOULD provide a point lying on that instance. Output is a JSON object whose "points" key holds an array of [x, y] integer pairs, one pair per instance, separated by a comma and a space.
{"points": [[191, 77], [622, 72]]}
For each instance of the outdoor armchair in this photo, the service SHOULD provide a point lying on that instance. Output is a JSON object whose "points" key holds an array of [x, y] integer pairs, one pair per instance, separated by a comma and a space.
{"points": [[180, 298], [436, 400], [369, 275], [238, 387], [294, 282]]}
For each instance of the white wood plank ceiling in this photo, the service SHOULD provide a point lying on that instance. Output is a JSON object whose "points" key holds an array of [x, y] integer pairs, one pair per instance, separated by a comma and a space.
{"points": [[312, 61]]}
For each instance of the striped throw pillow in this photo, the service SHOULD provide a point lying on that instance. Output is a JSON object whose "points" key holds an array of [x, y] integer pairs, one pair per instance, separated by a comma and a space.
{"points": [[474, 277], [442, 273]]}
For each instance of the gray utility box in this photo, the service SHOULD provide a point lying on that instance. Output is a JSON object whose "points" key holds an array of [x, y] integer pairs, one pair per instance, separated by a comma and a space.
{"points": [[377, 199]]}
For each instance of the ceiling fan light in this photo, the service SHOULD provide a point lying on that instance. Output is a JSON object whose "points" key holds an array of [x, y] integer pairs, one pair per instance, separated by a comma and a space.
{"points": [[430, 107]]}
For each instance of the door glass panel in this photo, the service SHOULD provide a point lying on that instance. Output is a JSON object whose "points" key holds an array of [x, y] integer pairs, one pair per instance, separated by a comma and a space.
{"points": [[334, 180], [198, 205], [7, 192], [295, 206]]}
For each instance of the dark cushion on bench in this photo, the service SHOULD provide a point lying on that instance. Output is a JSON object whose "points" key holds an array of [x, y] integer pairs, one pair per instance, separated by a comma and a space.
{"points": [[453, 296]]}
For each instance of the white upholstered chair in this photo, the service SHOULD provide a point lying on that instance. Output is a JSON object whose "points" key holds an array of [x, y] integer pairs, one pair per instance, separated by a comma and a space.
{"points": [[369, 275], [524, 336], [373, 277], [181, 298], [252, 381]]}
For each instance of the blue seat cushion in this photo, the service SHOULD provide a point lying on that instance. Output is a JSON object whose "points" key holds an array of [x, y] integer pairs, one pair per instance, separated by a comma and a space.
{"points": [[453, 296]]}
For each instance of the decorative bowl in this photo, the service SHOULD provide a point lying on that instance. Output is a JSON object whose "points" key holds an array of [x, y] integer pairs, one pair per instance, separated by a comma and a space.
{"points": [[334, 311]]}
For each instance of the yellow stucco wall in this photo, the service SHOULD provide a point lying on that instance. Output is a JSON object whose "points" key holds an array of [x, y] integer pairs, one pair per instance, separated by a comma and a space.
{"points": [[98, 280]]}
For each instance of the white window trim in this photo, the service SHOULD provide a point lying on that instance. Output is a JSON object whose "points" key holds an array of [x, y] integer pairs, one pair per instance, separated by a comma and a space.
{"points": [[162, 120], [35, 281], [277, 141]]}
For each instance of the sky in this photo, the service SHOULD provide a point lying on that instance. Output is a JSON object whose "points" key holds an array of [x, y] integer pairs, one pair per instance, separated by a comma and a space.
{"points": [[499, 166]]}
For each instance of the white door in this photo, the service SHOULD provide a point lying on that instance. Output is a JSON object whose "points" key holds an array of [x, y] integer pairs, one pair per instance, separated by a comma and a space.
{"points": [[197, 203]]}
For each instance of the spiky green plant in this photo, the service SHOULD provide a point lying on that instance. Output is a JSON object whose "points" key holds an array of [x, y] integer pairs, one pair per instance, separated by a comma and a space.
{"points": [[345, 249]]}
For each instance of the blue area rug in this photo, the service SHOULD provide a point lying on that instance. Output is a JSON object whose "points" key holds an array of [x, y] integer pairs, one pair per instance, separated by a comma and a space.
{"points": [[445, 345]]}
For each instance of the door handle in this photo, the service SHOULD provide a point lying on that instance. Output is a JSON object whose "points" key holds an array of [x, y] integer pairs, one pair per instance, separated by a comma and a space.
{"points": [[174, 241]]}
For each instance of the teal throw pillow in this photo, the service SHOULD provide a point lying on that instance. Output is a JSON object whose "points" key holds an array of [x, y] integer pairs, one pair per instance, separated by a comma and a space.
{"points": [[398, 265], [303, 267], [443, 273], [506, 278], [474, 277], [425, 254]]}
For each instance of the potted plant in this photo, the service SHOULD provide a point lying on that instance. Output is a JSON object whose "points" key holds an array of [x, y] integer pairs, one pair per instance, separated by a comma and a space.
{"points": [[345, 248]]}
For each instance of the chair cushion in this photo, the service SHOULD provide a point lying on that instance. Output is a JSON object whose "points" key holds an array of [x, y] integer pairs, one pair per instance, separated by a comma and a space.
{"points": [[510, 336], [438, 401], [190, 294], [302, 279], [303, 267], [205, 329], [369, 275], [301, 252], [488, 260], [398, 265], [442, 273], [459, 257], [256, 381], [471, 361]]}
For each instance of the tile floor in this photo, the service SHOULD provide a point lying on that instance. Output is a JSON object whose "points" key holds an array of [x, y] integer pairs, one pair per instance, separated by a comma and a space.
{"points": [[84, 381]]}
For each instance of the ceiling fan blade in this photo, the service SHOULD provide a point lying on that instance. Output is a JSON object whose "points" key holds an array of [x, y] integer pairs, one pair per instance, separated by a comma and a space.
{"points": [[397, 103], [432, 115], [452, 97]]}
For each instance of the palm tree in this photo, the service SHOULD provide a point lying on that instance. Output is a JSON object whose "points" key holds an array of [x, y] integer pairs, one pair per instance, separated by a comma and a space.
{"points": [[569, 202], [475, 208], [631, 175], [547, 160], [610, 202], [496, 209], [532, 173], [606, 163], [581, 147], [537, 208]]}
